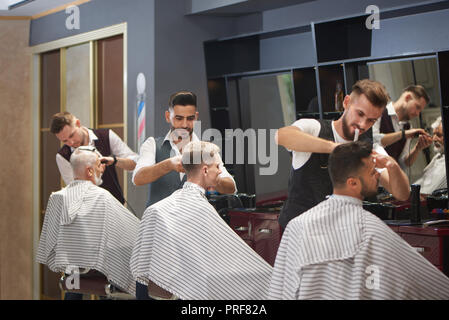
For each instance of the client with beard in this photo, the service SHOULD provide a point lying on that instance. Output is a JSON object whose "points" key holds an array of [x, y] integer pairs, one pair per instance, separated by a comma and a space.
{"points": [[434, 174], [338, 250], [85, 226]]}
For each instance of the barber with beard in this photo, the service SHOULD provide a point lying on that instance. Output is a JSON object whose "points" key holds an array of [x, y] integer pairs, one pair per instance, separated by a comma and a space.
{"points": [[311, 141], [159, 161]]}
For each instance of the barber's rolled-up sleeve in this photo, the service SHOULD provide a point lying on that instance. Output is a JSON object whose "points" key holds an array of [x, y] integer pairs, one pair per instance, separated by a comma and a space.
{"points": [[377, 136], [65, 169], [147, 156], [121, 149]]}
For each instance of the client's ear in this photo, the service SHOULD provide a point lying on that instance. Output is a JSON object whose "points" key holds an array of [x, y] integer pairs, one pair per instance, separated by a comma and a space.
{"points": [[352, 182]]}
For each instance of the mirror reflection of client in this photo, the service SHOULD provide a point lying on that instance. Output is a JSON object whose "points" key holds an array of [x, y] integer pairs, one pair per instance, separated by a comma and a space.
{"points": [[434, 174], [187, 249], [339, 251]]}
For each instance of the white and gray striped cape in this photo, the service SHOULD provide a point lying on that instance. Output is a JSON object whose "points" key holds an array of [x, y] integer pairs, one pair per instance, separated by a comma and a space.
{"points": [[337, 250], [186, 248], [86, 227]]}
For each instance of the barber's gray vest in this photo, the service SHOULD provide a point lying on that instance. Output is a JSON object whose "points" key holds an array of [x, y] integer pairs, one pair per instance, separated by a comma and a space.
{"points": [[310, 184], [165, 185]]}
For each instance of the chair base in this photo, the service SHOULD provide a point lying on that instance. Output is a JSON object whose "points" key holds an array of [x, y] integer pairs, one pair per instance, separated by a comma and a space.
{"points": [[93, 283]]}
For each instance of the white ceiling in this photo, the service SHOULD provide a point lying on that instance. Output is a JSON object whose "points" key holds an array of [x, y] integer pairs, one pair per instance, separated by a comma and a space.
{"points": [[34, 7]]}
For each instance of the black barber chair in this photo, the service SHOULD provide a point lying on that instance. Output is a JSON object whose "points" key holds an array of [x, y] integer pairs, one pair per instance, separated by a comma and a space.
{"points": [[438, 200], [223, 202], [92, 282], [384, 211]]}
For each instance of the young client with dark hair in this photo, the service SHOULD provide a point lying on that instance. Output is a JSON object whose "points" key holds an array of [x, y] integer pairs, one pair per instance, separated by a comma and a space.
{"points": [[338, 250]]}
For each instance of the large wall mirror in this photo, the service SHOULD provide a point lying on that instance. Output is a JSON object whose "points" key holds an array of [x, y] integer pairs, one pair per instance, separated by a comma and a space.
{"points": [[397, 75], [266, 103]]}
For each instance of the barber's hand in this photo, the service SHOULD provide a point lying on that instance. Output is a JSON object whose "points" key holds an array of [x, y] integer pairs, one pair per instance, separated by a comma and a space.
{"points": [[414, 133], [107, 160], [176, 163], [424, 141], [334, 145], [383, 161]]}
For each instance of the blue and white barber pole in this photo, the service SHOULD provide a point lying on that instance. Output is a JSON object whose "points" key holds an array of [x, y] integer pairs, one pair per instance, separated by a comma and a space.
{"points": [[140, 110]]}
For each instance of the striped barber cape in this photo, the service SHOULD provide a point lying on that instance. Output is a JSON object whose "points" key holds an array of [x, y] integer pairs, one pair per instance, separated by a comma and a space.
{"points": [[337, 250], [86, 227], [186, 248]]}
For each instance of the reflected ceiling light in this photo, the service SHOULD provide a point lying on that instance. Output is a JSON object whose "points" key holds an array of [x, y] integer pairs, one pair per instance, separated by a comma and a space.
{"points": [[12, 4]]}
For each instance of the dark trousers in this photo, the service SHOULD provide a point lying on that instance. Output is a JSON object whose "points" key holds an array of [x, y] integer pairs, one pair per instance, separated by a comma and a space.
{"points": [[73, 296], [142, 292]]}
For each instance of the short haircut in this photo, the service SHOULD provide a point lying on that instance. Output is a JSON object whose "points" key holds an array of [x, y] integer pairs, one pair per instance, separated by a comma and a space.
{"points": [[182, 98], [60, 120], [83, 157], [418, 91], [197, 153], [374, 91], [346, 161]]}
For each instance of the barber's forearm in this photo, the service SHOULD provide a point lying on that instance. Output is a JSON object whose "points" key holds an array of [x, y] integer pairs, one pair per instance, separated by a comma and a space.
{"points": [[225, 186], [151, 173], [411, 157], [390, 138], [398, 183], [294, 139], [126, 164]]}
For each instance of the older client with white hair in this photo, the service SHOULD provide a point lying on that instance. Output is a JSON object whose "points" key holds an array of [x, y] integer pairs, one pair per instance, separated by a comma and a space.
{"points": [[86, 227], [434, 174], [185, 247]]}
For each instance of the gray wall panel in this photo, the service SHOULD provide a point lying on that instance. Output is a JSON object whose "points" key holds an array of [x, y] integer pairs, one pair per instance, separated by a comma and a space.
{"points": [[420, 33], [287, 51], [319, 10], [179, 54]]}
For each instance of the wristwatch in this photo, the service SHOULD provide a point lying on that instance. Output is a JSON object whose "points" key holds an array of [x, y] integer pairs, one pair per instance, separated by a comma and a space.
{"points": [[115, 160]]}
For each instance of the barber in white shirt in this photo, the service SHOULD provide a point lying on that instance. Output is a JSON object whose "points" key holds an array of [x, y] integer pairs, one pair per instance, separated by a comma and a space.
{"points": [[115, 152], [159, 161]]}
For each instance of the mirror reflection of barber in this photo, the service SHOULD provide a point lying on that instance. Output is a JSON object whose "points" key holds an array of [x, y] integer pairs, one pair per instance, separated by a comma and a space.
{"points": [[393, 131]]}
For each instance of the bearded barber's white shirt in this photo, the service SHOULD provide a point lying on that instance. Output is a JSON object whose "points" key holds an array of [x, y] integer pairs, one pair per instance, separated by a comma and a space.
{"points": [[86, 227], [186, 248], [397, 126], [338, 250]]}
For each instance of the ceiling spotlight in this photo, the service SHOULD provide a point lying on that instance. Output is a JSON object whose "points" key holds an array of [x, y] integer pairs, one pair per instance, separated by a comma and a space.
{"points": [[13, 4]]}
